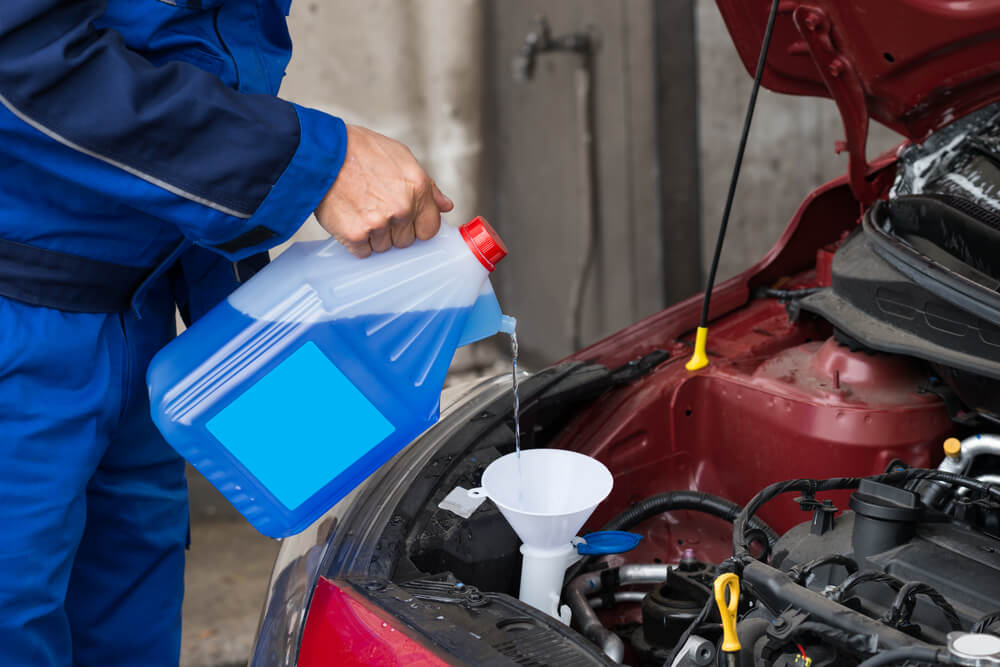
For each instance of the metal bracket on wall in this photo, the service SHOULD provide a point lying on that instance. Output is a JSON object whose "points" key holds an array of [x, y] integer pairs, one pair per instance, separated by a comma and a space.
{"points": [[582, 42], [845, 87], [585, 44]]}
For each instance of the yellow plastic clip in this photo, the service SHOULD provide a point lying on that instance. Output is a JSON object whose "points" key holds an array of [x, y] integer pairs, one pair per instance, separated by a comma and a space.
{"points": [[699, 359], [727, 609]]}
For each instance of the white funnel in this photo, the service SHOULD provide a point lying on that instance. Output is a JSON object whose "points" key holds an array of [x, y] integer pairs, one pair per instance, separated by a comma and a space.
{"points": [[546, 498]]}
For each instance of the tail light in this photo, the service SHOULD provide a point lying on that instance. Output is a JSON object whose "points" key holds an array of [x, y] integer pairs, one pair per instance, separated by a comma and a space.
{"points": [[345, 630]]}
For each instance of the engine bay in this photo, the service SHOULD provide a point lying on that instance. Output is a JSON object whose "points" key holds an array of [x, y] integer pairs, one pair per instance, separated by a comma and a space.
{"points": [[902, 561], [838, 456]]}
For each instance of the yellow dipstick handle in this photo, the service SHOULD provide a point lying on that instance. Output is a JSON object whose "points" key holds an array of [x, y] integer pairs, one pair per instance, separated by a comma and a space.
{"points": [[699, 359], [727, 609]]}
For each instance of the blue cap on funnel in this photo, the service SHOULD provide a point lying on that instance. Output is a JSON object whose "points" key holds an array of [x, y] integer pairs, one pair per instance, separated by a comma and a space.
{"points": [[605, 542]]}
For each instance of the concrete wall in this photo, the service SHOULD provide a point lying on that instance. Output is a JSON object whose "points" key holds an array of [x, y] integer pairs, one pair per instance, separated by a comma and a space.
{"points": [[410, 69], [534, 156], [437, 75]]}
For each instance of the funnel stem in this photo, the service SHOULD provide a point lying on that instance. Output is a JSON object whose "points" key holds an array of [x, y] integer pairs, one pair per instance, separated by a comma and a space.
{"points": [[542, 574]]}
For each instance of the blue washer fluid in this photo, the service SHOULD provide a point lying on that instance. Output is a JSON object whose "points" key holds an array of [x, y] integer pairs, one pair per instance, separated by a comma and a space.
{"points": [[292, 391]]}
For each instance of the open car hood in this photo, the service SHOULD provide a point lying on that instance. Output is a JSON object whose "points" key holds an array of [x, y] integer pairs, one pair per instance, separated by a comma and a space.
{"points": [[913, 65]]}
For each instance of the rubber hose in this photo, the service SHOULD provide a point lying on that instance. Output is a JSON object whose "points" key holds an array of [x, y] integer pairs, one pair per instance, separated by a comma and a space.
{"points": [[852, 643], [694, 501], [936, 656]]}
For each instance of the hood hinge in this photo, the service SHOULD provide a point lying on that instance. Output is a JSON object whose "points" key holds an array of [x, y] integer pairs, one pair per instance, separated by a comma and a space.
{"points": [[845, 88]]}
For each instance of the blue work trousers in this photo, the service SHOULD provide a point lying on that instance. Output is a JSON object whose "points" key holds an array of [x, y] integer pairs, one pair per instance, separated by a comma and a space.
{"points": [[93, 502]]}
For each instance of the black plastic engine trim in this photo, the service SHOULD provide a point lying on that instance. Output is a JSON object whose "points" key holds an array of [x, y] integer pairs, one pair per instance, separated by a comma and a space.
{"points": [[882, 309], [929, 216], [491, 631]]}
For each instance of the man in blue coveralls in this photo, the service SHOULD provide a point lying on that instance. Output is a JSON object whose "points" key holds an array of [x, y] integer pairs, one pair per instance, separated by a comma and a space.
{"points": [[143, 156]]}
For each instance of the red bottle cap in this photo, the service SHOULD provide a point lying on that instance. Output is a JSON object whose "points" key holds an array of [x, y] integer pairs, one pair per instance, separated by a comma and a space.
{"points": [[484, 242]]}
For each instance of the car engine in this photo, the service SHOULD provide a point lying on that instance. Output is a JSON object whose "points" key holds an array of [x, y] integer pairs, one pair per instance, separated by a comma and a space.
{"points": [[887, 347], [913, 562]]}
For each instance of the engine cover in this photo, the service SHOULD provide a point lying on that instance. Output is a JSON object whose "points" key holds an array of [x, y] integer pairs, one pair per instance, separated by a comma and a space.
{"points": [[891, 532]]}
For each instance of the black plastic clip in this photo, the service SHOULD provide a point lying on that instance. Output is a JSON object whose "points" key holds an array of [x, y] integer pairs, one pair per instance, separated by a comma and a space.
{"points": [[823, 512]]}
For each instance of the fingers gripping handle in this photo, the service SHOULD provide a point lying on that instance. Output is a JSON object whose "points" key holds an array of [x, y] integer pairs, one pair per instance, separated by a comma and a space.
{"points": [[730, 583]]}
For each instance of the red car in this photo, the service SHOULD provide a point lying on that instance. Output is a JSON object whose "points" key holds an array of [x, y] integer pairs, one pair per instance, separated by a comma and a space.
{"points": [[864, 339]]}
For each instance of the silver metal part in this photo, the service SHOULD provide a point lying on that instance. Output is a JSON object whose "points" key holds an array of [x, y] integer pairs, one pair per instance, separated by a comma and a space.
{"points": [[971, 448], [696, 652], [590, 583], [974, 649]]}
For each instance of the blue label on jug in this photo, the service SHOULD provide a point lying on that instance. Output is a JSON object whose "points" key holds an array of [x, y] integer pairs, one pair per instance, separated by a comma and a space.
{"points": [[300, 426]]}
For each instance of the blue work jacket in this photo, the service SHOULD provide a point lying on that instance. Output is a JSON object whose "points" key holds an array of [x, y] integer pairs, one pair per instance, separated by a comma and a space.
{"points": [[142, 132]]}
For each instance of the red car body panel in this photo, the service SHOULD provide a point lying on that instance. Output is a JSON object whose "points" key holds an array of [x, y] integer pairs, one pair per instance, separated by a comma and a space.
{"points": [[775, 402], [920, 63], [913, 65]]}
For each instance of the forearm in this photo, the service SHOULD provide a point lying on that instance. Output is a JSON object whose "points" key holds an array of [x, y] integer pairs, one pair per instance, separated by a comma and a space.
{"points": [[232, 171]]}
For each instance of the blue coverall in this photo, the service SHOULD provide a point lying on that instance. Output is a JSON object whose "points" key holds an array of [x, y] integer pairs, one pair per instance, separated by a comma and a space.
{"points": [[145, 134]]}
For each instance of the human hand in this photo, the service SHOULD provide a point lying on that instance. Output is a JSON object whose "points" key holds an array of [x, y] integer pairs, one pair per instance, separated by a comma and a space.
{"points": [[382, 197]]}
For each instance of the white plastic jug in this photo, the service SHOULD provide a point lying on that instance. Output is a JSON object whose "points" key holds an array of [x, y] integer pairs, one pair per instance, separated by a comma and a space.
{"points": [[320, 368]]}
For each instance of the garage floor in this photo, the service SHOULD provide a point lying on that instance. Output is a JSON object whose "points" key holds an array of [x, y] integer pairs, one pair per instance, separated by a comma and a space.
{"points": [[228, 568]]}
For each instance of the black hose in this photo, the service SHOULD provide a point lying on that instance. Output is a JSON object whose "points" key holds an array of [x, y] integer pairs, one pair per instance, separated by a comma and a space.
{"points": [[811, 486], [906, 600], [937, 656], [762, 538], [846, 641], [694, 501]]}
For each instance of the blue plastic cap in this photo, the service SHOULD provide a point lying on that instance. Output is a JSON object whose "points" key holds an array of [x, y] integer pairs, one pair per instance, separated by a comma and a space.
{"points": [[605, 542]]}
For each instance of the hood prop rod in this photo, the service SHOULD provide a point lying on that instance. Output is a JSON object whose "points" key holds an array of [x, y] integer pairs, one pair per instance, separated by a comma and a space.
{"points": [[699, 359]]}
